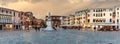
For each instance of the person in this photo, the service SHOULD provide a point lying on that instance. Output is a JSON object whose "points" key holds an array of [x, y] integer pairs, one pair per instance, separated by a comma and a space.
{"points": [[54, 28], [27, 28], [36, 28], [39, 28]]}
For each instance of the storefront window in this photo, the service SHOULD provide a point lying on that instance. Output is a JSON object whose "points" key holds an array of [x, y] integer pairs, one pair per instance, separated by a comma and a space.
{"points": [[99, 20]]}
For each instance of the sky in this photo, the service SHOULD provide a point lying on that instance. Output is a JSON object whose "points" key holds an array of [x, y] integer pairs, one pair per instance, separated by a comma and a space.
{"points": [[40, 8]]}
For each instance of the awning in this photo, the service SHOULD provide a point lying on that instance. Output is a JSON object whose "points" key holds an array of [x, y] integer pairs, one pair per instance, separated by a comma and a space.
{"points": [[70, 25], [105, 24]]}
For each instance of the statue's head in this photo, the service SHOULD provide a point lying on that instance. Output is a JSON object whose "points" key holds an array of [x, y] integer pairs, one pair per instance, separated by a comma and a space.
{"points": [[49, 13]]}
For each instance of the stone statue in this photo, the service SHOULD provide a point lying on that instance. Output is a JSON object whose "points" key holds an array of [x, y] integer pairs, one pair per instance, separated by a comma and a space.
{"points": [[48, 22]]}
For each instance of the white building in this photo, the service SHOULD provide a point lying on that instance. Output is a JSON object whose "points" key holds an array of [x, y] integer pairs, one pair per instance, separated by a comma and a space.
{"points": [[102, 17], [9, 19], [75, 20], [97, 18], [117, 13], [65, 21]]}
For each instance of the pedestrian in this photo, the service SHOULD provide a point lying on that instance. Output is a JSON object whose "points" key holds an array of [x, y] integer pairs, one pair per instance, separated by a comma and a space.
{"points": [[27, 28], [39, 28], [78, 28], [36, 28], [54, 28]]}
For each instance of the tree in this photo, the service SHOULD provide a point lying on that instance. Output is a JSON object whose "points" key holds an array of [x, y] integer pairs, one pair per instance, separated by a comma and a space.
{"points": [[43, 24]]}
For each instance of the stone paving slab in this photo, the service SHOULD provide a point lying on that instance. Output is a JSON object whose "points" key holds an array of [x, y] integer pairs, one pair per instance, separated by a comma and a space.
{"points": [[59, 37]]}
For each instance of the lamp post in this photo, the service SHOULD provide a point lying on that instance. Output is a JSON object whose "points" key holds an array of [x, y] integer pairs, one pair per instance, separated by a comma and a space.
{"points": [[86, 17], [13, 22], [28, 19], [61, 18]]}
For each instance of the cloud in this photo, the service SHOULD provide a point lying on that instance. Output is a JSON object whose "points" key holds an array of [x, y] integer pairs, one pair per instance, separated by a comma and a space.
{"points": [[57, 7], [105, 3], [5, 2]]}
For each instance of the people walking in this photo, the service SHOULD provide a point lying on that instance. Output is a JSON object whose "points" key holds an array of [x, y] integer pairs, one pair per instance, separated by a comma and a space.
{"points": [[27, 28], [54, 28], [36, 28]]}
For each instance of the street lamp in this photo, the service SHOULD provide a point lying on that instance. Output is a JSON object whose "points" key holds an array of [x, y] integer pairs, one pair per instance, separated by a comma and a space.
{"points": [[61, 18], [28, 19]]}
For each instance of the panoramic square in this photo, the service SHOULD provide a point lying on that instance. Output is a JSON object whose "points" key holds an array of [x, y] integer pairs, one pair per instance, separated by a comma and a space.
{"points": [[59, 21]]}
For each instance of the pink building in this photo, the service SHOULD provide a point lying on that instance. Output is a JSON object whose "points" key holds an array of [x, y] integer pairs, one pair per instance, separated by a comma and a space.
{"points": [[26, 20]]}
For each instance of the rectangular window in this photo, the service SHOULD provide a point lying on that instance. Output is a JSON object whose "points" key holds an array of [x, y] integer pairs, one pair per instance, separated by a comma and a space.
{"points": [[10, 12], [113, 21], [6, 11], [88, 20], [101, 15], [80, 17], [88, 15], [84, 17], [98, 10], [3, 18], [0, 18], [117, 20], [96, 15], [104, 9], [104, 20], [118, 13], [93, 20], [93, 14], [2, 10], [110, 9], [101, 10], [117, 8], [104, 14], [14, 13], [110, 14], [117, 27], [94, 10]]}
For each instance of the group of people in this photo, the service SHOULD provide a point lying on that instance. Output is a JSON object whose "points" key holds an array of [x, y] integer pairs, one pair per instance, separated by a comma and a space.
{"points": [[37, 28]]}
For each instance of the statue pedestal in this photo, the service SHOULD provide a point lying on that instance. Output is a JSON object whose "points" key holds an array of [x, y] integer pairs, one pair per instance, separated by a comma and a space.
{"points": [[49, 26]]}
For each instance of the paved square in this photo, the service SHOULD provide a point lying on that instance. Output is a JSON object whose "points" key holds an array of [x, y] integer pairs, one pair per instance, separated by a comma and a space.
{"points": [[59, 37]]}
